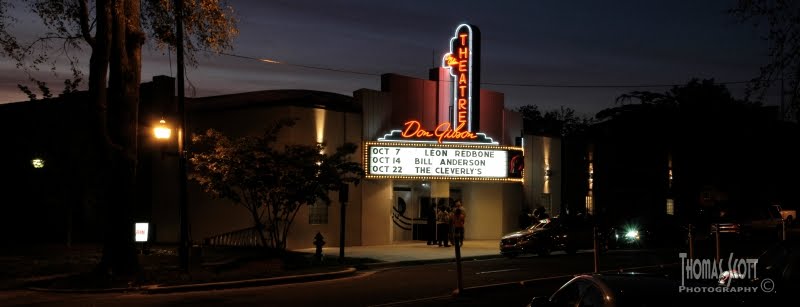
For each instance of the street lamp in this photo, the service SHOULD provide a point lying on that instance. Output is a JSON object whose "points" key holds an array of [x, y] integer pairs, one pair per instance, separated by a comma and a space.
{"points": [[163, 132]]}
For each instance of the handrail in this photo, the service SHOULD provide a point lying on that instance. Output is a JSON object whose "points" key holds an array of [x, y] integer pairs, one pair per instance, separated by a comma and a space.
{"points": [[242, 237]]}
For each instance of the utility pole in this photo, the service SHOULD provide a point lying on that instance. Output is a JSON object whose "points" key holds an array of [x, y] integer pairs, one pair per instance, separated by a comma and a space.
{"points": [[183, 249], [460, 275], [343, 189]]}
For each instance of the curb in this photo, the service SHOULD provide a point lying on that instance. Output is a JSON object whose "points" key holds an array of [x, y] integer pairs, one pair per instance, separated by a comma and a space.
{"points": [[477, 290], [248, 282], [393, 264], [156, 289], [24, 283], [86, 291], [31, 286]]}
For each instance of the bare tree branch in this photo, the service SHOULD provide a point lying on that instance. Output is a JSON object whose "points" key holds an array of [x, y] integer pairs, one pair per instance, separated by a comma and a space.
{"points": [[84, 21]]}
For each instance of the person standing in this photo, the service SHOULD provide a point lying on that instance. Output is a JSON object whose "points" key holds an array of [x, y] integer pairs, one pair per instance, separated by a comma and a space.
{"points": [[459, 218], [443, 226], [432, 224], [524, 218]]}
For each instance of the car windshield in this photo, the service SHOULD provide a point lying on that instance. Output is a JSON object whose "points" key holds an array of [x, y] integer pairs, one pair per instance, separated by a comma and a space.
{"points": [[545, 223], [773, 212]]}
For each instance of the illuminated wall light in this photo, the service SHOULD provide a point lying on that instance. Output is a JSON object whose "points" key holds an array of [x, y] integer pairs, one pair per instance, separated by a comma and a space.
{"points": [[319, 122], [547, 174], [161, 131], [37, 163], [670, 178]]}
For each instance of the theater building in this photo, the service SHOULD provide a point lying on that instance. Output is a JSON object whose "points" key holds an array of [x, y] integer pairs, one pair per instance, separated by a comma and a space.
{"points": [[423, 143]]}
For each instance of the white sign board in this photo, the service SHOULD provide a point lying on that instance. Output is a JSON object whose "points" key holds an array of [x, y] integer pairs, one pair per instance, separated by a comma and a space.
{"points": [[435, 162], [141, 232]]}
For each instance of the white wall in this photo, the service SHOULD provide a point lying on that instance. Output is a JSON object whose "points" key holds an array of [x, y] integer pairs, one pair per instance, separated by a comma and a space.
{"points": [[484, 205], [376, 212]]}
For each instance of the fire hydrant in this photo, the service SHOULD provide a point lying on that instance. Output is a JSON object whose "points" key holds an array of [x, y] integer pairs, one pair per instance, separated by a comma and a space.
{"points": [[318, 242]]}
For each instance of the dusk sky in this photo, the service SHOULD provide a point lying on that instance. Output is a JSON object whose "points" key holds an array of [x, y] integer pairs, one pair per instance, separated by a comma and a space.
{"points": [[524, 42]]}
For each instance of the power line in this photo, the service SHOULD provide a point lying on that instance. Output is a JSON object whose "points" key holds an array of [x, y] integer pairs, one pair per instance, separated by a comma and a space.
{"points": [[598, 86], [539, 85], [298, 65]]}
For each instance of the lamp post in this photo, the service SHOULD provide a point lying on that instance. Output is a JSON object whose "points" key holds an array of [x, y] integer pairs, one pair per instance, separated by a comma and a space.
{"points": [[163, 132], [183, 249]]}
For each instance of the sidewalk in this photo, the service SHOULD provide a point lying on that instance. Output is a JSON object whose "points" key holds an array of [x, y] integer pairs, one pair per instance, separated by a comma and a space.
{"points": [[415, 251], [223, 269], [362, 257]]}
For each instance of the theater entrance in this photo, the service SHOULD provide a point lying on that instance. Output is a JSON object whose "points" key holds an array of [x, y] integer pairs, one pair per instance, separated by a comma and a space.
{"points": [[414, 208]]}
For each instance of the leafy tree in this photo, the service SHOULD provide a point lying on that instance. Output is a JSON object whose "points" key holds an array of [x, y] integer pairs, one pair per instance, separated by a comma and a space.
{"points": [[698, 101], [114, 32], [271, 183], [713, 138], [559, 122], [782, 20]]}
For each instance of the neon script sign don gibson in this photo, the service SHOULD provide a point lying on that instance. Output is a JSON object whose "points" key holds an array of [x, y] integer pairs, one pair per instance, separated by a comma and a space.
{"points": [[444, 133], [460, 61], [413, 129]]}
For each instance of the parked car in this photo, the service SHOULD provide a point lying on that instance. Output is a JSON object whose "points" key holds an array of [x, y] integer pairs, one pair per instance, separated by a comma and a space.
{"points": [[748, 221], [781, 264], [637, 289], [546, 236], [788, 215]]}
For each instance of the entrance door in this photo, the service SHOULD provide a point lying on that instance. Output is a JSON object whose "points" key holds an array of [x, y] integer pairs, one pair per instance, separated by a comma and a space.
{"points": [[412, 207], [402, 223]]}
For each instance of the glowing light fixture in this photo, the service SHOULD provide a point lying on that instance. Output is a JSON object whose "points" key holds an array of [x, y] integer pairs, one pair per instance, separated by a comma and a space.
{"points": [[161, 131], [319, 123], [37, 163], [632, 234]]}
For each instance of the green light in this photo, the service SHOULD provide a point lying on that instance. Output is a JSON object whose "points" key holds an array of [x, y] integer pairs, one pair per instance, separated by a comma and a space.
{"points": [[632, 234], [37, 163]]}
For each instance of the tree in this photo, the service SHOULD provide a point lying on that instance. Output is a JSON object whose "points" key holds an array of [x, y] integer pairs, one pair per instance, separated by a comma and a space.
{"points": [[713, 140], [559, 122], [114, 31], [270, 183], [782, 19]]}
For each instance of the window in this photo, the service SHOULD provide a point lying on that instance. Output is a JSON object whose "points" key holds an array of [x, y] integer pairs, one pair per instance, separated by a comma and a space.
{"points": [[589, 204], [318, 213], [670, 206]]}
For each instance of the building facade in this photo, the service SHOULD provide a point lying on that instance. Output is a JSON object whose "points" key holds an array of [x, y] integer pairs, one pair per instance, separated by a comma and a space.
{"points": [[379, 210], [498, 174]]}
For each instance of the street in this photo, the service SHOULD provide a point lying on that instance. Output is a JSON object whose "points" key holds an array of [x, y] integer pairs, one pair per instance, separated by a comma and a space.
{"points": [[430, 284]]}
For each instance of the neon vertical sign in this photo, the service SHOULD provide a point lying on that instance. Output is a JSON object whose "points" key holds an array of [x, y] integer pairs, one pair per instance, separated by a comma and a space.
{"points": [[463, 61]]}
